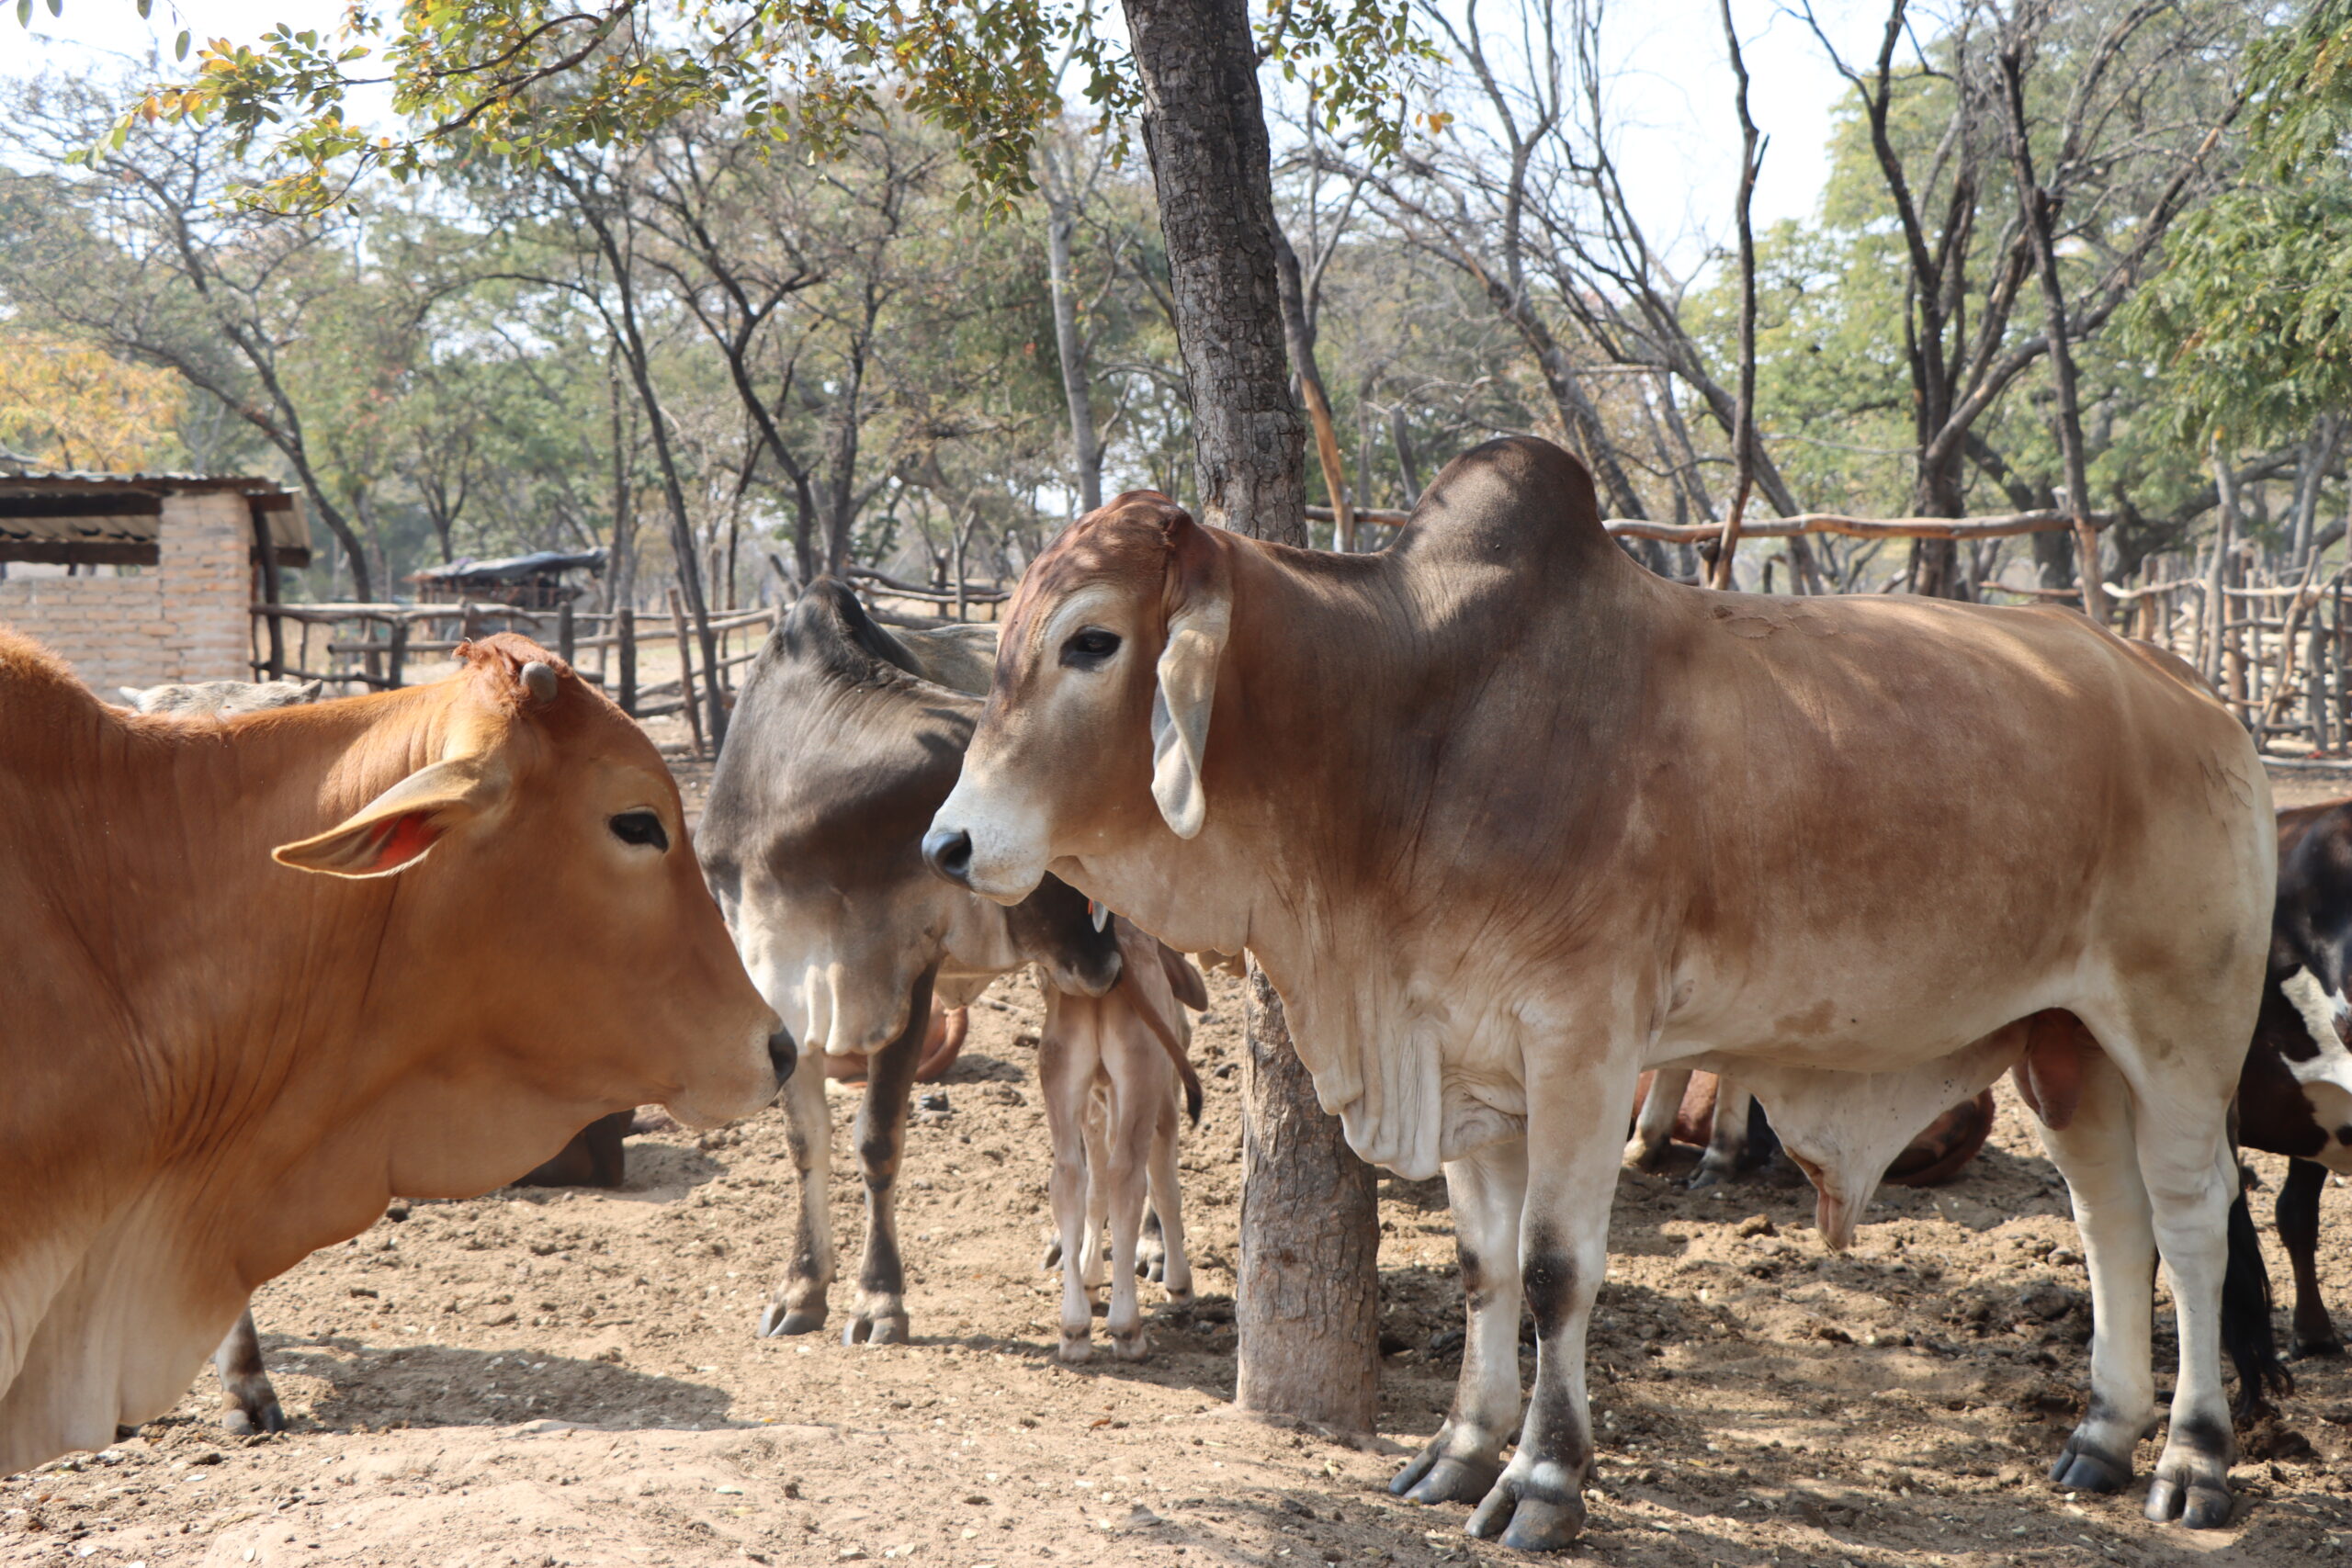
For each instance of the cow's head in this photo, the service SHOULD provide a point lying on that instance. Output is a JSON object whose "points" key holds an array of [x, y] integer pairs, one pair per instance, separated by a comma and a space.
{"points": [[840, 753], [548, 950], [1097, 727]]}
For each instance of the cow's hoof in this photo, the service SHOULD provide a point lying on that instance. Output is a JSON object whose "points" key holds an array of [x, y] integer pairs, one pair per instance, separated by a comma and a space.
{"points": [[2199, 1505], [1180, 1296], [1711, 1172], [2309, 1348], [1434, 1478], [1132, 1346], [123, 1434], [1075, 1349], [2192, 1485], [2081, 1468], [777, 1318], [1053, 1257], [889, 1328], [261, 1413], [1525, 1523], [1640, 1156]]}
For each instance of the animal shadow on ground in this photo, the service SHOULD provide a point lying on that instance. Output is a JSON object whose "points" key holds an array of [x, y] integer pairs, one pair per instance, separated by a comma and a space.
{"points": [[974, 1066], [437, 1385]]}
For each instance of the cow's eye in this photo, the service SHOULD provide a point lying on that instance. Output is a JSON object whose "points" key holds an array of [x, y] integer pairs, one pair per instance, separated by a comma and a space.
{"points": [[1087, 650], [640, 828]]}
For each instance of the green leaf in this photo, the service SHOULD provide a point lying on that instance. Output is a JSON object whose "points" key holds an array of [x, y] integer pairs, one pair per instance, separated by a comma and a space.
{"points": [[180, 45], [145, 6], [57, 7], [24, 13]]}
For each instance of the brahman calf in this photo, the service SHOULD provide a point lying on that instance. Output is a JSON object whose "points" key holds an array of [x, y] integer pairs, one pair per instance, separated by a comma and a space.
{"points": [[1848, 850], [845, 740], [266, 973], [1107, 1067]]}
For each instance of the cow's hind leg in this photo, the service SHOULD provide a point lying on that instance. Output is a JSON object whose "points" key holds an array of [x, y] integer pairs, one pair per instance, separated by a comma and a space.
{"points": [[881, 1139], [1487, 1190], [1537, 1504], [2191, 1176], [1175, 1274], [1726, 1136], [797, 1303], [1134, 1107], [1654, 1126], [1066, 1056], [2297, 1215], [2092, 1145], [248, 1403]]}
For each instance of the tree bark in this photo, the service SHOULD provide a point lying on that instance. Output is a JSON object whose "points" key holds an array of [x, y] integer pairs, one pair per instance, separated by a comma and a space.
{"points": [[1085, 442], [2038, 212], [1743, 436], [1299, 332], [1308, 1287]]}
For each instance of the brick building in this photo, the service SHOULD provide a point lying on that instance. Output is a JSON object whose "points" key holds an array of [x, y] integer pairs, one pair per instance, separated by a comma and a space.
{"points": [[142, 578]]}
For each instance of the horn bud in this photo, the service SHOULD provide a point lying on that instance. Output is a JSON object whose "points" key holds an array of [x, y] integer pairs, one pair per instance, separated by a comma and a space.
{"points": [[538, 681]]}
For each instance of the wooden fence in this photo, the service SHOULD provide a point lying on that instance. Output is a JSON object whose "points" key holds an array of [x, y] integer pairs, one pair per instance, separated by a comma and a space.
{"points": [[2274, 649], [376, 646]]}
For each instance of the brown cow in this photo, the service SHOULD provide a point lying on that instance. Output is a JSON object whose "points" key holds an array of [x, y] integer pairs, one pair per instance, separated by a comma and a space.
{"points": [[1705, 1110], [1507, 819], [266, 973]]}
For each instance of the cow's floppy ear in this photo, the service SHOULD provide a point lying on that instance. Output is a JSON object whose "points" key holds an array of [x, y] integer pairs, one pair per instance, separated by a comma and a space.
{"points": [[400, 827], [1201, 612]]}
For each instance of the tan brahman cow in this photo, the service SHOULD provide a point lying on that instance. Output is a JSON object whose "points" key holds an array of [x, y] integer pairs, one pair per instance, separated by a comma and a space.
{"points": [[1509, 819], [266, 973]]}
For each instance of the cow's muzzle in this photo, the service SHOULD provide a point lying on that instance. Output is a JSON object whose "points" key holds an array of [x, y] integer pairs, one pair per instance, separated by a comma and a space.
{"points": [[948, 852]]}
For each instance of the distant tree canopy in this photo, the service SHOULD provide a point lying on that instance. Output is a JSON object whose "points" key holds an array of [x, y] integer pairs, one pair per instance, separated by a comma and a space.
{"points": [[713, 285]]}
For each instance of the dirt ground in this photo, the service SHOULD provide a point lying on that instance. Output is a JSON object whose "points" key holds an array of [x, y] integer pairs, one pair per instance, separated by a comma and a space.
{"points": [[544, 1378]]}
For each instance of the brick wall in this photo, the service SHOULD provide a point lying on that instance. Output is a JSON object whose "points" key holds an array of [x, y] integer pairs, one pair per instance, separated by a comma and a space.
{"points": [[183, 619]]}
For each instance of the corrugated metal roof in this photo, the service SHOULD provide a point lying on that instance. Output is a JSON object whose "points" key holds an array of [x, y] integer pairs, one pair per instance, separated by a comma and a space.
{"points": [[509, 567], [63, 515]]}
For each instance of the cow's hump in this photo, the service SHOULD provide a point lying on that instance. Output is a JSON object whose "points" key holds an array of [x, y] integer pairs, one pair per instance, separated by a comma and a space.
{"points": [[1517, 498]]}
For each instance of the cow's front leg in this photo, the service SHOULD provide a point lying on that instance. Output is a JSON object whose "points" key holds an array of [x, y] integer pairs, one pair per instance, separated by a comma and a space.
{"points": [[2297, 1215], [248, 1403], [1485, 1190], [881, 1139], [1653, 1128], [1726, 1135], [1537, 1504], [797, 1303]]}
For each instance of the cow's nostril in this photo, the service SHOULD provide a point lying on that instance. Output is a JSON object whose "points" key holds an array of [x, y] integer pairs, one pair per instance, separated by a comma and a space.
{"points": [[782, 1054], [948, 851]]}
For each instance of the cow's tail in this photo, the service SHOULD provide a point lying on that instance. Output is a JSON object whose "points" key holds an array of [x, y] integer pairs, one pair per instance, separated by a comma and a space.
{"points": [[2248, 1332], [1157, 1021]]}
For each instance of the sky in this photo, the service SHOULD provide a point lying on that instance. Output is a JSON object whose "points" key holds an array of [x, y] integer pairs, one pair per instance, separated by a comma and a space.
{"points": [[1679, 142]]}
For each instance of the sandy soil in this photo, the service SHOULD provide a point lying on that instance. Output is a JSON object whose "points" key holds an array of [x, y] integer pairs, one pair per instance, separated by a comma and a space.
{"points": [[543, 1378]]}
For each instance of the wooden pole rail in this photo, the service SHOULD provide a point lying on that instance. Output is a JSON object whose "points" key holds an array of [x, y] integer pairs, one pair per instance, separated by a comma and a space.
{"points": [[1995, 527]]}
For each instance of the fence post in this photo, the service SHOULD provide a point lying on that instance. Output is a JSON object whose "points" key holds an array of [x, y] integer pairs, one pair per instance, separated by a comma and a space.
{"points": [[563, 635], [268, 554], [686, 671], [624, 633], [399, 659]]}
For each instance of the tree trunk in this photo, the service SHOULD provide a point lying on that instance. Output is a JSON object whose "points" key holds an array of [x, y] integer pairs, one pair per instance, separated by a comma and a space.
{"points": [[1299, 332], [1085, 443], [1307, 1285]]}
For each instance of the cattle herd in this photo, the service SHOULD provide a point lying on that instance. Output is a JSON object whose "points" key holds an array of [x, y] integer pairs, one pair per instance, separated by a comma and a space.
{"points": [[1522, 832]]}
